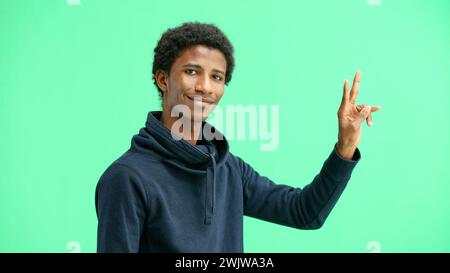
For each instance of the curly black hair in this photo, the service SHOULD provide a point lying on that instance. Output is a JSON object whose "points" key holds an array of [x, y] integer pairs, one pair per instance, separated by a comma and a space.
{"points": [[174, 40]]}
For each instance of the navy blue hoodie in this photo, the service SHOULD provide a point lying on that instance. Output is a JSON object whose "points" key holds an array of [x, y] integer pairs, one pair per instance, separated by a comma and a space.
{"points": [[166, 195]]}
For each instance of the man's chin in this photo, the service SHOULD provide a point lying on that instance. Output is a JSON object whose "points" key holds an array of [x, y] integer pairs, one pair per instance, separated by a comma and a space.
{"points": [[202, 115], [194, 114], [199, 118]]}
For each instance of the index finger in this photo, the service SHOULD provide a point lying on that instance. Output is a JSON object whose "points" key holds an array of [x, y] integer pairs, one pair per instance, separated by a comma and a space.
{"points": [[345, 94], [355, 87]]}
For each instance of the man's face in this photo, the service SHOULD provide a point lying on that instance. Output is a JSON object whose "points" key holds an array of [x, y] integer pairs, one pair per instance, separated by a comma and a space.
{"points": [[196, 80]]}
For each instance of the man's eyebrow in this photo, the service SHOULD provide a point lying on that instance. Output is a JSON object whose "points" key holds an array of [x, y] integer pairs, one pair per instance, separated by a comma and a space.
{"points": [[219, 71], [193, 65], [200, 67]]}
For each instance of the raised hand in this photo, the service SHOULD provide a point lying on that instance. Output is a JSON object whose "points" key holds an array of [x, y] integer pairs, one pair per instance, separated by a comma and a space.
{"points": [[351, 116]]}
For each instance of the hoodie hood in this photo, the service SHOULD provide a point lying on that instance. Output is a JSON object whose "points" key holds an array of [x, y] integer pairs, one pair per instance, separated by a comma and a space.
{"points": [[157, 140]]}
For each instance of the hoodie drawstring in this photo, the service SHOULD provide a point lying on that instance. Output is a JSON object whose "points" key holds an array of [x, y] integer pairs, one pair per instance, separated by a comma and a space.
{"points": [[210, 185]]}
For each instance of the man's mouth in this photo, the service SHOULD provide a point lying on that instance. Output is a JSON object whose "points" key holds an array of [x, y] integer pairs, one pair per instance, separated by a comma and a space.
{"points": [[200, 99]]}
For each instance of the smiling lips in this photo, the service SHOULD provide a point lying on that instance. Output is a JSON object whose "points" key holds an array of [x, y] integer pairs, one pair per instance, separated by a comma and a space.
{"points": [[200, 99]]}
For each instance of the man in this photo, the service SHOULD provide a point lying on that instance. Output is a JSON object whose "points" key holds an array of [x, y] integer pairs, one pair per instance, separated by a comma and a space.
{"points": [[176, 191]]}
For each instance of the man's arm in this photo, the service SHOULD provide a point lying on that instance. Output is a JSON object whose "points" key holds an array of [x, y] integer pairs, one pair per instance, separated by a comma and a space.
{"points": [[120, 201], [305, 208]]}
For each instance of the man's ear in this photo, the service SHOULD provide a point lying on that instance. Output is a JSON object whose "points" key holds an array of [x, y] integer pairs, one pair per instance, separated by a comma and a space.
{"points": [[162, 80]]}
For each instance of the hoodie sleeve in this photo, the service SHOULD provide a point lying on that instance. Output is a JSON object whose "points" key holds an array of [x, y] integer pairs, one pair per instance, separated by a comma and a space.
{"points": [[305, 208], [120, 201]]}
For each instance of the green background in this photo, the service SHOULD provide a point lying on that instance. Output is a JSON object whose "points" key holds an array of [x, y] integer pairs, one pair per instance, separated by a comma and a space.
{"points": [[75, 86]]}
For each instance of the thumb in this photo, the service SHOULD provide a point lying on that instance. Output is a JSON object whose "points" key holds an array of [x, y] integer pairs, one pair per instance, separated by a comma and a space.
{"points": [[365, 112]]}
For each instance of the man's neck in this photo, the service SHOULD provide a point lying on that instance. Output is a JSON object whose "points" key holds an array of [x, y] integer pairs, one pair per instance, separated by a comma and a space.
{"points": [[190, 134]]}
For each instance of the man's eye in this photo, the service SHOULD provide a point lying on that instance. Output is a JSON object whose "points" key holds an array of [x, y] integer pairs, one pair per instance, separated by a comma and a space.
{"points": [[217, 77], [190, 71]]}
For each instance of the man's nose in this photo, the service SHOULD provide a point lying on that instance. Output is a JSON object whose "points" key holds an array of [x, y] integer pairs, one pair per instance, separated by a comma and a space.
{"points": [[203, 85]]}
